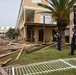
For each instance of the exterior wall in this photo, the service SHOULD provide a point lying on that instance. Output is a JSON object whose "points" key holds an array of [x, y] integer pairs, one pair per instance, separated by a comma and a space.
{"points": [[21, 33], [25, 32], [36, 17], [48, 34], [21, 20], [37, 33], [31, 4]]}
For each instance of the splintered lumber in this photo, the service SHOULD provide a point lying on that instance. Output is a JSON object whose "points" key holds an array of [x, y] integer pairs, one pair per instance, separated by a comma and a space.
{"points": [[7, 61], [54, 44], [3, 55], [3, 63], [20, 52], [2, 71]]}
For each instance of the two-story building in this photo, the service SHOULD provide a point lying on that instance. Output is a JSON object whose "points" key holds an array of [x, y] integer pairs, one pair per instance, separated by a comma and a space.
{"points": [[36, 27]]}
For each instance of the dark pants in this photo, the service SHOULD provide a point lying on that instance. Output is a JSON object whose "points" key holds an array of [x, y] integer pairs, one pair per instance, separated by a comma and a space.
{"points": [[59, 44], [75, 46], [72, 48]]}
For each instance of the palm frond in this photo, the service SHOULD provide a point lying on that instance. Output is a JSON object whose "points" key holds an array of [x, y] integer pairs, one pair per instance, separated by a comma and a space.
{"points": [[46, 6], [59, 8], [63, 4], [71, 4], [55, 4], [51, 5]]}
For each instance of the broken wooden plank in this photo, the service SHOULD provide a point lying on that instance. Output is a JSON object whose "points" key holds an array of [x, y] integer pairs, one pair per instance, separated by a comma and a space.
{"points": [[4, 63], [3, 55], [20, 52], [2, 71], [7, 61]]}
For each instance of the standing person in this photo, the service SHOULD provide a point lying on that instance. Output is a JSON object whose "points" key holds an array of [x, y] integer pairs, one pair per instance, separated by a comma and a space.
{"points": [[73, 43], [59, 41]]}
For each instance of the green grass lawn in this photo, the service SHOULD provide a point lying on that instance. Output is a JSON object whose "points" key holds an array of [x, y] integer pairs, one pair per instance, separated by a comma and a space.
{"points": [[50, 53]]}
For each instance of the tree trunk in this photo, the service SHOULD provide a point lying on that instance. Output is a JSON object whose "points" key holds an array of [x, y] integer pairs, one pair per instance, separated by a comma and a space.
{"points": [[63, 37]]}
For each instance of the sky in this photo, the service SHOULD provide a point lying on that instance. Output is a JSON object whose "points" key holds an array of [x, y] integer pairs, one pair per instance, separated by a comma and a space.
{"points": [[9, 12]]}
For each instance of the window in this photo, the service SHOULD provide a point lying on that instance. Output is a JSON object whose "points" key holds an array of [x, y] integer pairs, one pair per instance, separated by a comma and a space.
{"points": [[36, 1], [67, 32], [48, 19]]}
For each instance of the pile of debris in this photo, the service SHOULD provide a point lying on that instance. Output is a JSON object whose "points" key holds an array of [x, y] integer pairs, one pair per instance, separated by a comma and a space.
{"points": [[8, 47]]}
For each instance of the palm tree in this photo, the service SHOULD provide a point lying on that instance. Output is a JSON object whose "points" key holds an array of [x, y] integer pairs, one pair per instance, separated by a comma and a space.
{"points": [[60, 10]]}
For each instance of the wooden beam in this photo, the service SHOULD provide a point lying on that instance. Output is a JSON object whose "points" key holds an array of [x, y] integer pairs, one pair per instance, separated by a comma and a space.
{"points": [[4, 63], [3, 55], [20, 52]]}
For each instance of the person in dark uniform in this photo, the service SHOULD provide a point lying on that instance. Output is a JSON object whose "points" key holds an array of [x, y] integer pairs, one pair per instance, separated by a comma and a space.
{"points": [[73, 43], [59, 41]]}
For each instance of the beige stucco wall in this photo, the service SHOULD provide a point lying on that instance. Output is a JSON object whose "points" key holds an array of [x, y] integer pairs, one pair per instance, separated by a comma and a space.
{"points": [[37, 33], [48, 34], [21, 20], [36, 17], [31, 4], [21, 33]]}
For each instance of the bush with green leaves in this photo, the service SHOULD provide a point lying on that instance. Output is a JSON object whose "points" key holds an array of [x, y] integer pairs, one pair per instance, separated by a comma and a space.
{"points": [[12, 33]]}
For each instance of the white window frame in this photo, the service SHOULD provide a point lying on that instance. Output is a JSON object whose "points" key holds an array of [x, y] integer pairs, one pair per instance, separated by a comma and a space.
{"points": [[48, 19], [36, 1]]}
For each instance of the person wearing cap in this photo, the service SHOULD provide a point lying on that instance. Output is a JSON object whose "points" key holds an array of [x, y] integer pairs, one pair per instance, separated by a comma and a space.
{"points": [[73, 43], [59, 41]]}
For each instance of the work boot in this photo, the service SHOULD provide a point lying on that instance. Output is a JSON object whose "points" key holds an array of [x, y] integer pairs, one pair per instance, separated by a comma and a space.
{"points": [[71, 53]]}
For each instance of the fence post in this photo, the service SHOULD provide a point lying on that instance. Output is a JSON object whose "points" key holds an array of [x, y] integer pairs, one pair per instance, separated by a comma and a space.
{"points": [[13, 71]]}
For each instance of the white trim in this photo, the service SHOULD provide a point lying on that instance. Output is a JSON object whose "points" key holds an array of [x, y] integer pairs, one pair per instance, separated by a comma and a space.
{"points": [[19, 13], [36, 1], [35, 8]]}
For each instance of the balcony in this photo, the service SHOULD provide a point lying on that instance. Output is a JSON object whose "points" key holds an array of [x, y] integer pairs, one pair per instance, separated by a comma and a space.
{"points": [[30, 15]]}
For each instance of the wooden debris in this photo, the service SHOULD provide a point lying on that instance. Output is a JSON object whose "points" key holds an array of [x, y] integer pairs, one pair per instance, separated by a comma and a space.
{"points": [[20, 52], [3, 63], [7, 61], [2, 71], [8, 54]]}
